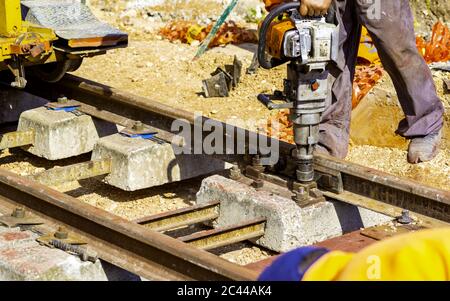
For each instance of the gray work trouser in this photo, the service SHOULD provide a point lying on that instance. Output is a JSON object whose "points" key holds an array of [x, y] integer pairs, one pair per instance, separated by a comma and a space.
{"points": [[390, 24]]}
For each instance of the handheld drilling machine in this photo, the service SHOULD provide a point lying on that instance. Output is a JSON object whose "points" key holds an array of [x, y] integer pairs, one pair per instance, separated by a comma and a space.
{"points": [[307, 45]]}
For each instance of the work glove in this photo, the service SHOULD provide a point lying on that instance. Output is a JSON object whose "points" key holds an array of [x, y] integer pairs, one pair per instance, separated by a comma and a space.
{"points": [[292, 265]]}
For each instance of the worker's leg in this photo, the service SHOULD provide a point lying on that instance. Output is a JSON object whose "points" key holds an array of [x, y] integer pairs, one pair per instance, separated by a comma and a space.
{"points": [[335, 126], [391, 27]]}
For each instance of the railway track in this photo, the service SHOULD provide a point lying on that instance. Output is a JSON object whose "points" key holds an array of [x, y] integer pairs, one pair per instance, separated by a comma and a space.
{"points": [[126, 244], [140, 246]]}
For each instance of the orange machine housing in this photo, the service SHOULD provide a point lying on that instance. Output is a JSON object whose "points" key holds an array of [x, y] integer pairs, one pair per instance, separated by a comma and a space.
{"points": [[275, 36], [270, 3]]}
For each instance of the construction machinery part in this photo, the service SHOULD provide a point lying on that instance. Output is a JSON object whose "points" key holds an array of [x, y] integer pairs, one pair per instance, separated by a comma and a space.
{"points": [[52, 37], [307, 45], [75, 172], [211, 239], [81, 30], [19, 217], [181, 217], [389, 191], [16, 139]]}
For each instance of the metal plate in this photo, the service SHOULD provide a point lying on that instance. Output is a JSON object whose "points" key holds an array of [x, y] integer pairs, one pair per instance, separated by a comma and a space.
{"points": [[387, 231], [11, 221], [72, 239], [71, 20]]}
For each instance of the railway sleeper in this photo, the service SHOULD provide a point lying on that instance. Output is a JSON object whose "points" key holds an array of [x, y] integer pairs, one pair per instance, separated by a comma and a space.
{"points": [[133, 163], [287, 225]]}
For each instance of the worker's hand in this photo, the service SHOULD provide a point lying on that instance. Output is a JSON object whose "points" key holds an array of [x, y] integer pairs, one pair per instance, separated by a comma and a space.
{"points": [[314, 7]]}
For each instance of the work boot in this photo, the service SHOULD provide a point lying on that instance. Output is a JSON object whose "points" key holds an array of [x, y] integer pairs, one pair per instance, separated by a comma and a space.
{"points": [[424, 149]]}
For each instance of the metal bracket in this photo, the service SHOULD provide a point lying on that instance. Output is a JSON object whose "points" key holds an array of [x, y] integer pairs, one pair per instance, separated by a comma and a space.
{"points": [[307, 194], [62, 235], [63, 104], [255, 171], [329, 179], [235, 70], [223, 81], [218, 85], [267, 100], [19, 218], [139, 130]]}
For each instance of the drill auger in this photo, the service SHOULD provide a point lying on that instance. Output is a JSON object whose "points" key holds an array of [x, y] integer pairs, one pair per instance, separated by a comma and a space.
{"points": [[307, 45]]}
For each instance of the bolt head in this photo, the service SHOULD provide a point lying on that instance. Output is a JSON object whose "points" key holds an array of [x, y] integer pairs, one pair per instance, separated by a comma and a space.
{"points": [[61, 233], [258, 184], [63, 100], [235, 173], [18, 212], [315, 85], [405, 219]]}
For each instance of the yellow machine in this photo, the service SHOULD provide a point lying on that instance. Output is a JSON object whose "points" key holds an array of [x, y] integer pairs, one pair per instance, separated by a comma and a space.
{"points": [[49, 38], [367, 51], [22, 44]]}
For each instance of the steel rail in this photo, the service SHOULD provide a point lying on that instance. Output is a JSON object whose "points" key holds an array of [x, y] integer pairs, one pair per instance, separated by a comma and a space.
{"points": [[148, 111], [356, 179], [383, 187], [119, 241]]}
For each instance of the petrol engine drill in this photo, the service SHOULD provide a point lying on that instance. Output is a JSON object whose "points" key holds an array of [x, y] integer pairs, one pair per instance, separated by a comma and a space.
{"points": [[307, 45]]}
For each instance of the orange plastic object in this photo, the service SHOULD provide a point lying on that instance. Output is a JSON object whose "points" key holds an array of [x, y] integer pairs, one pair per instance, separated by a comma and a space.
{"points": [[280, 126], [229, 33], [438, 48], [366, 77], [271, 3]]}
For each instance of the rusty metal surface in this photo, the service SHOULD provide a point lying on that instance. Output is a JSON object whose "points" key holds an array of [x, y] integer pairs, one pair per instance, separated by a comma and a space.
{"points": [[358, 200], [75, 172], [72, 20], [215, 238], [116, 240], [181, 217], [389, 189], [359, 181], [70, 238], [350, 242], [123, 121], [382, 207], [388, 231], [135, 107], [16, 139], [19, 217]]}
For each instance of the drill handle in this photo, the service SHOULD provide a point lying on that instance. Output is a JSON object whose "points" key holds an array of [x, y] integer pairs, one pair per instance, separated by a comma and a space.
{"points": [[274, 13], [266, 100]]}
